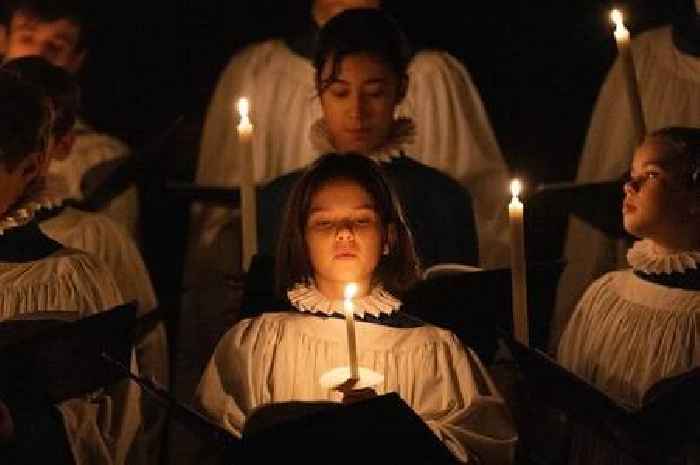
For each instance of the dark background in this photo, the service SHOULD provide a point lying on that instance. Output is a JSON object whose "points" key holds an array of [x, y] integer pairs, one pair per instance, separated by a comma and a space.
{"points": [[538, 65]]}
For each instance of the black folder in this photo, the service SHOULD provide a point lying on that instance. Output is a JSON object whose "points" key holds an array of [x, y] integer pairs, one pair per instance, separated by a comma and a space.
{"points": [[383, 429], [477, 305], [598, 204], [55, 360], [665, 422]]}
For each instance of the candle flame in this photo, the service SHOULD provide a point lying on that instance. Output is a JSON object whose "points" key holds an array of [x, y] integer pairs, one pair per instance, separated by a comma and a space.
{"points": [[616, 17], [350, 291], [515, 187], [243, 107]]}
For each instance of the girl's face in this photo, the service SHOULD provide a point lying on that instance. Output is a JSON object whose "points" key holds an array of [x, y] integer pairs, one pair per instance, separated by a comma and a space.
{"points": [[658, 201], [358, 105], [343, 236]]}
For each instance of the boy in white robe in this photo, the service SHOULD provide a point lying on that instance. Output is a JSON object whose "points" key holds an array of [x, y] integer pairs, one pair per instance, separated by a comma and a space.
{"points": [[39, 275], [98, 235]]}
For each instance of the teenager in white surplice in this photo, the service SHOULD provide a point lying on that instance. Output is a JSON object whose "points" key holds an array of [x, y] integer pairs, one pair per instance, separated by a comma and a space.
{"points": [[453, 134]]}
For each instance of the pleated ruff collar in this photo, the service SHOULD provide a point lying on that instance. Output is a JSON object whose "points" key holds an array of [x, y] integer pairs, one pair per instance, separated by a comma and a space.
{"points": [[402, 134], [645, 257], [37, 198], [306, 298]]}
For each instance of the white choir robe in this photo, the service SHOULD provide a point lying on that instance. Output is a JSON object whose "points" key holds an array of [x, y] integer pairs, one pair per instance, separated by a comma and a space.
{"points": [[453, 134], [669, 85], [280, 357], [90, 149], [100, 427], [625, 335], [110, 242]]}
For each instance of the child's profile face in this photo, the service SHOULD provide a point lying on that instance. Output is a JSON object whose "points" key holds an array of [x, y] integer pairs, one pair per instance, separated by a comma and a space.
{"points": [[358, 105], [343, 235], [657, 198]]}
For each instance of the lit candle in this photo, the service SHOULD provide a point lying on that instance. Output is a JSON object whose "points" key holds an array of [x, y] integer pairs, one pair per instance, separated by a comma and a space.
{"points": [[247, 184], [517, 264], [622, 38], [350, 291]]}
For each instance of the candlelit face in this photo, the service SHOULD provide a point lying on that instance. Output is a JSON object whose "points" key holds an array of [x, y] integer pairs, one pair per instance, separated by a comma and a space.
{"points": [[657, 198], [358, 104], [323, 10], [55, 41], [343, 237]]}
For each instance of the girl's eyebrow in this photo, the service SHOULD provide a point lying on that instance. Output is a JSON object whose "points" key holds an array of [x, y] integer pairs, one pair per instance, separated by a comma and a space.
{"points": [[364, 206]]}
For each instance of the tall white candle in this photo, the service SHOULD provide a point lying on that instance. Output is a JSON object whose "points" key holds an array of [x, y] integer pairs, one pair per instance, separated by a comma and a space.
{"points": [[350, 291], [518, 267], [622, 39], [247, 184]]}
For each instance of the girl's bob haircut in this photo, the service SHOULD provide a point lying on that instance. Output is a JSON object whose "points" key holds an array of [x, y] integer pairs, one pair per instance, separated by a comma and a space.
{"points": [[398, 268]]}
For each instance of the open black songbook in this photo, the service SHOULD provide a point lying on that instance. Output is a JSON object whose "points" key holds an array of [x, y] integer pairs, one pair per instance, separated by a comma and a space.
{"points": [[379, 430], [54, 356], [476, 305], [666, 420], [599, 204]]}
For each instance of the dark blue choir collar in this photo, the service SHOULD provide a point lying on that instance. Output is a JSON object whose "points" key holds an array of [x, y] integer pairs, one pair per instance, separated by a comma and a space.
{"points": [[688, 280], [26, 243]]}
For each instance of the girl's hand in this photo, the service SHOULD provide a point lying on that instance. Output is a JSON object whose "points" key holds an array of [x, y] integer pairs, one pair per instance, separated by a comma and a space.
{"points": [[351, 395], [7, 427]]}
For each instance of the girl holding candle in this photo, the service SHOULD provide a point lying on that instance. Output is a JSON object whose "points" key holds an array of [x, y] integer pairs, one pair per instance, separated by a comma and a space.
{"points": [[633, 328], [343, 224]]}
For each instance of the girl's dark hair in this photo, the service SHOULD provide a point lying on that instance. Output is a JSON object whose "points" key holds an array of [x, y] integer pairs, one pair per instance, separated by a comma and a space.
{"points": [[397, 270], [55, 83], [683, 144], [24, 120], [360, 30]]}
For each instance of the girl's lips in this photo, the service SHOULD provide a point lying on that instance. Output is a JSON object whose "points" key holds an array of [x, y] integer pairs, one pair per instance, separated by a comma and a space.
{"points": [[344, 255]]}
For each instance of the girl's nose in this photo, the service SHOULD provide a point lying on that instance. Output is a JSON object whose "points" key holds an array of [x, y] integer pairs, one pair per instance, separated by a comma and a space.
{"points": [[345, 232], [357, 108]]}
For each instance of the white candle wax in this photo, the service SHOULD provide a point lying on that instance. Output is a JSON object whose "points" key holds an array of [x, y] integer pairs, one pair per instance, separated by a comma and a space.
{"points": [[622, 39], [518, 266], [350, 291], [249, 233]]}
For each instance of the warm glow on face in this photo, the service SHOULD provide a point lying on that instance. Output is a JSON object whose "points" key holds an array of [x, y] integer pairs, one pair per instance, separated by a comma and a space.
{"points": [[515, 187], [243, 108]]}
